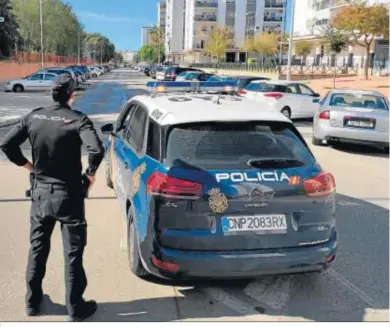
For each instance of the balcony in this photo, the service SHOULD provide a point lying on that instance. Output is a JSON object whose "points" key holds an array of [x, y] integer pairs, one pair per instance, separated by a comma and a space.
{"points": [[206, 4], [274, 4], [205, 18], [321, 5], [273, 19]]}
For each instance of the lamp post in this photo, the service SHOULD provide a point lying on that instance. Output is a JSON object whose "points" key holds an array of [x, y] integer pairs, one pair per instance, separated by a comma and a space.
{"points": [[290, 40], [41, 22]]}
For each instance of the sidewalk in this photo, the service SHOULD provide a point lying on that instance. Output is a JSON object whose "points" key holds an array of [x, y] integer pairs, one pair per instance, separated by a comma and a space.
{"points": [[375, 83]]}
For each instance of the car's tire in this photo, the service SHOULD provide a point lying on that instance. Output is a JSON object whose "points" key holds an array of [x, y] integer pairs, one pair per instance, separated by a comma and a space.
{"points": [[386, 149], [94, 75], [108, 175], [18, 88], [135, 262], [316, 141], [286, 111]]}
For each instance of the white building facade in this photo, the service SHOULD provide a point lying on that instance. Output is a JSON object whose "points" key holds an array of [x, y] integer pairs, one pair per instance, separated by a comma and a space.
{"points": [[145, 35], [161, 15], [310, 19], [174, 29], [245, 18]]}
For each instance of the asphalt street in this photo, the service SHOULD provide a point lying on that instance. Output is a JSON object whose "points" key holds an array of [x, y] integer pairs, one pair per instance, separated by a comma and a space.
{"points": [[356, 288]]}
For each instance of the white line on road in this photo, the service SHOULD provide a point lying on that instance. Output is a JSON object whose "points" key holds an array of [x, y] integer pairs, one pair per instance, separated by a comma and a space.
{"points": [[132, 313], [353, 288], [230, 301], [272, 291]]}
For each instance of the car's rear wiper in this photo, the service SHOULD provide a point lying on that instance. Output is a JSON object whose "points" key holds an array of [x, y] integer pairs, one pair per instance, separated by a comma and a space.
{"points": [[274, 162]]}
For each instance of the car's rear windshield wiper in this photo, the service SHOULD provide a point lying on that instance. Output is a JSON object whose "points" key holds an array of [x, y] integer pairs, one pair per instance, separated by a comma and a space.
{"points": [[270, 162]]}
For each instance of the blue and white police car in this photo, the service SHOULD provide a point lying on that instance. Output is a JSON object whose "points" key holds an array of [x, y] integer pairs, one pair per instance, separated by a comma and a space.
{"points": [[215, 186]]}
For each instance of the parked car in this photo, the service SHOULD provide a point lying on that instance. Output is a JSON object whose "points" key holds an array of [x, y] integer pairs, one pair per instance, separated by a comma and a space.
{"points": [[171, 73], [83, 69], [146, 70], [292, 99], [40, 81], [352, 116], [154, 70], [95, 72], [60, 70]]}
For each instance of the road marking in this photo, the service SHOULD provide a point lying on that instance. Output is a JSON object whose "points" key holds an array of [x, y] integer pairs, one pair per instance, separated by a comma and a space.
{"points": [[348, 203], [272, 291], [230, 301], [353, 288], [132, 313]]}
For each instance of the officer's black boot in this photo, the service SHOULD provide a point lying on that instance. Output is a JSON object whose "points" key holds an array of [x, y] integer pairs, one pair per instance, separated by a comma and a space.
{"points": [[84, 311], [34, 310]]}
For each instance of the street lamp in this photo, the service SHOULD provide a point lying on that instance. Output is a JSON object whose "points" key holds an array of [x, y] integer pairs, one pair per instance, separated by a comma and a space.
{"points": [[41, 22], [290, 40]]}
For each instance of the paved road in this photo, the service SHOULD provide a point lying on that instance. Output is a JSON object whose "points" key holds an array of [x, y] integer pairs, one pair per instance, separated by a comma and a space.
{"points": [[354, 289]]}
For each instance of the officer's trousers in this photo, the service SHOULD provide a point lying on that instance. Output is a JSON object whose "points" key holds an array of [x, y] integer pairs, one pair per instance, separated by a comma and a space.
{"points": [[51, 203]]}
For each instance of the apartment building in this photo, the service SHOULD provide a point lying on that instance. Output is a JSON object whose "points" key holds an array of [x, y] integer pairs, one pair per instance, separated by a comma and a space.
{"points": [[145, 35], [311, 16], [245, 18], [174, 29], [161, 15]]}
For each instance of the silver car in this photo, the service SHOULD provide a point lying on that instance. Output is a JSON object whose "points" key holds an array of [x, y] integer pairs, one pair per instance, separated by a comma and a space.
{"points": [[352, 116]]}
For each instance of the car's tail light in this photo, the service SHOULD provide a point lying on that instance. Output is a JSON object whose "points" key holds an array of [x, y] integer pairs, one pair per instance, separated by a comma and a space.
{"points": [[168, 266], [321, 185], [163, 184], [276, 96], [243, 92], [324, 115]]}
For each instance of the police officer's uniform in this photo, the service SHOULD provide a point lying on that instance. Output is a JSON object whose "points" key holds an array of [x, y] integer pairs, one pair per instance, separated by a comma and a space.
{"points": [[56, 134]]}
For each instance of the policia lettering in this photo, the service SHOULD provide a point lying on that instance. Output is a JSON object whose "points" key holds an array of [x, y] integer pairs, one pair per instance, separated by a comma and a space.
{"points": [[136, 180]]}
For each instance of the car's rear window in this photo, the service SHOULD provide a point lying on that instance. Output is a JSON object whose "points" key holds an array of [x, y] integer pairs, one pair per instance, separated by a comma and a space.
{"points": [[219, 145], [265, 87], [356, 100]]}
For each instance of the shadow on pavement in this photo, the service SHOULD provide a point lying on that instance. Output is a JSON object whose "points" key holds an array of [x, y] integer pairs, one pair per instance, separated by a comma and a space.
{"points": [[361, 150], [28, 199]]}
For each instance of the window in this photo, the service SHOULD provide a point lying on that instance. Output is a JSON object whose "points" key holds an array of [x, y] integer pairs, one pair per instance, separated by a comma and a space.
{"points": [[36, 77], [292, 88], [230, 146], [124, 117], [356, 100], [49, 77], [153, 145], [136, 128], [305, 90], [255, 87]]}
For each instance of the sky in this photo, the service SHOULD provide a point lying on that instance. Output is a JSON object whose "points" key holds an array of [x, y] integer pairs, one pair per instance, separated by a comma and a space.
{"points": [[120, 20]]}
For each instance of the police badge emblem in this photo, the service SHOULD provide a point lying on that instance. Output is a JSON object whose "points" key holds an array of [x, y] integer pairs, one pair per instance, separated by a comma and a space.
{"points": [[136, 180], [217, 200]]}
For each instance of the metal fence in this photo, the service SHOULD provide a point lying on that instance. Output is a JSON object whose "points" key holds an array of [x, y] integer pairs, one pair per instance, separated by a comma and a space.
{"points": [[274, 68]]}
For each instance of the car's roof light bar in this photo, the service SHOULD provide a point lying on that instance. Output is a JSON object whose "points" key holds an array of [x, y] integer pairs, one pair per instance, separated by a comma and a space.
{"points": [[196, 87]]}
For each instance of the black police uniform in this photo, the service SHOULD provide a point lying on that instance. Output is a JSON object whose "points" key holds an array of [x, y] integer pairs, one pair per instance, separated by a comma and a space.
{"points": [[56, 134]]}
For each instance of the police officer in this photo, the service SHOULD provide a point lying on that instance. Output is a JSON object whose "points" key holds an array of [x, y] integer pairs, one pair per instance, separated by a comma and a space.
{"points": [[56, 134]]}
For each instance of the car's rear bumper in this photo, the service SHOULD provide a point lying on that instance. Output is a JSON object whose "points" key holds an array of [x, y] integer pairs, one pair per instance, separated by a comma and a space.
{"points": [[351, 135], [239, 264]]}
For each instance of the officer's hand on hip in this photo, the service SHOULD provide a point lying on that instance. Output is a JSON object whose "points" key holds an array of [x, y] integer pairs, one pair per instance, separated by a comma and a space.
{"points": [[91, 180]]}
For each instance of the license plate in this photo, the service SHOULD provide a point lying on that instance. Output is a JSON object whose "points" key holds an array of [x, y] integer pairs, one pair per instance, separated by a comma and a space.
{"points": [[273, 224], [360, 123]]}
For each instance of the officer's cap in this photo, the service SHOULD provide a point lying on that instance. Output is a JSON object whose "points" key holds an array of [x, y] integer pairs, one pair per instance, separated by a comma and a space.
{"points": [[64, 83]]}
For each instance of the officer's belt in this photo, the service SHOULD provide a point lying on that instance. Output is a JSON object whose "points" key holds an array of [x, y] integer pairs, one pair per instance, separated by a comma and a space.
{"points": [[52, 187]]}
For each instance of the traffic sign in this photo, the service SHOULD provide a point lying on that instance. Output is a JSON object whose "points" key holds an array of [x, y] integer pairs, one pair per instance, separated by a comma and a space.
{"points": [[1, 19]]}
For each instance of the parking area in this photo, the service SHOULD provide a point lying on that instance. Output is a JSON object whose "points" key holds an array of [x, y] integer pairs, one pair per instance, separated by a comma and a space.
{"points": [[356, 288]]}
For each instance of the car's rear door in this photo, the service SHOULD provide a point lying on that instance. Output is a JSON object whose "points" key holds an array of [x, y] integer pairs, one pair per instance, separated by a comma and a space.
{"points": [[239, 187]]}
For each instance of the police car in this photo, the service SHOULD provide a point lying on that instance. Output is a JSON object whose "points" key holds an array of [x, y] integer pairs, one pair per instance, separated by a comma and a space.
{"points": [[214, 187]]}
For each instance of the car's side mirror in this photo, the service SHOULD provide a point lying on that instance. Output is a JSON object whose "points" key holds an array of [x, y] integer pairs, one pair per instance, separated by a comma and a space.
{"points": [[317, 100], [107, 128], [316, 95]]}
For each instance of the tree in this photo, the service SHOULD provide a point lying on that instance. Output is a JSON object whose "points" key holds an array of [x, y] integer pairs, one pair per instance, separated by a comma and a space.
{"points": [[100, 47], [363, 22], [267, 44], [9, 35], [218, 42], [150, 53], [249, 47], [334, 42], [157, 40], [302, 49]]}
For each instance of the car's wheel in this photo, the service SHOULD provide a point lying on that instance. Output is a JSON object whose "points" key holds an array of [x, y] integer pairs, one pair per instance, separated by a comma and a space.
{"points": [[386, 149], [287, 112], [316, 141], [108, 175], [94, 75], [18, 88], [135, 262]]}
